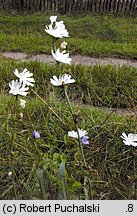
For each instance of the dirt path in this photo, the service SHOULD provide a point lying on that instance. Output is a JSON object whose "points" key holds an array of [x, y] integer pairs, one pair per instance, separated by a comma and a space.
{"points": [[76, 59], [120, 111]]}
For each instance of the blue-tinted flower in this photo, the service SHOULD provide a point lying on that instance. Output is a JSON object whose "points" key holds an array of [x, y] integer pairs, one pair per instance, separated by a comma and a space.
{"points": [[36, 134], [84, 140]]}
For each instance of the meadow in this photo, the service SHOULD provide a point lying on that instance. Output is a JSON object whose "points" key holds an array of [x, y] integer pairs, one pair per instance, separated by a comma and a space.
{"points": [[96, 36], [51, 166]]}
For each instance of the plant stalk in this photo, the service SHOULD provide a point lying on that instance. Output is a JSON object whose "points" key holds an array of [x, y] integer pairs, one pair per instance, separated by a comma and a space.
{"points": [[54, 44], [79, 140], [47, 106], [134, 173]]}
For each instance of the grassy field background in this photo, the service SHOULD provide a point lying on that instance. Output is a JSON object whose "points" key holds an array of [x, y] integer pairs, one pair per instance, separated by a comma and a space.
{"points": [[35, 163], [109, 161], [108, 86], [91, 35]]}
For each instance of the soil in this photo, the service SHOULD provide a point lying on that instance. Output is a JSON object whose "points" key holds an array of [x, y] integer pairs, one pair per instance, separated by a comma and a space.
{"points": [[119, 111], [76, 59]]}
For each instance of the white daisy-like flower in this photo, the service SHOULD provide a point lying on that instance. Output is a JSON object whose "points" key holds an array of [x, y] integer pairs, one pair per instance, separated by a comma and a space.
{"points": [[56, 29], [63, 45], [25, 77], [61, 57], [22, 103], [62, 80], [130, 139], [17, 88], [74, 134]]}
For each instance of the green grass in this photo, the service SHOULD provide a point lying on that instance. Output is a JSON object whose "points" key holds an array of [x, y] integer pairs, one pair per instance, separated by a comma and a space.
{"points": [[96, 85], [35, 163], [90, 35], [109, 161], [37, 166]]}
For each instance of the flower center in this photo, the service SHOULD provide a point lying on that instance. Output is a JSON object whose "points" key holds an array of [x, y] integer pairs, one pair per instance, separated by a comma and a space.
{"points": [[54, 25], [63, 83]]}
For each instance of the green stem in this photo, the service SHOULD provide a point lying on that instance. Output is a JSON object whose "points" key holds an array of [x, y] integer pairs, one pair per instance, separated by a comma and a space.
{"points": [[76, 126], [65, 193], [134, 173], [66, 94], [81, 146], [54, 44], [47, 106], [36, 147], [79, 139], [12, 146]]}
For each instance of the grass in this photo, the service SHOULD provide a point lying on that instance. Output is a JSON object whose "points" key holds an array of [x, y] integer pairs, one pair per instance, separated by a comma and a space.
{"points": [[98, 36], [95, 85], [109, 161], [52, 167], [37, 164]]}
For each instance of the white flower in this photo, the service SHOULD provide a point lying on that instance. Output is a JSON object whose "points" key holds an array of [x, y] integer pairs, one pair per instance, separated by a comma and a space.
{"points": [[56, 29], [17, 88], [131, 139], [74, 134], [62, 57], [25, 77], [22, 103], [62, 80], [53, 19], [63, 45]]}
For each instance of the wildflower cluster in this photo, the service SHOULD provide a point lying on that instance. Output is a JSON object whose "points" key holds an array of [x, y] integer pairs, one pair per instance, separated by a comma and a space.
{"points": [[57, 30], [20, 86], [25, 80], [80, 133]]}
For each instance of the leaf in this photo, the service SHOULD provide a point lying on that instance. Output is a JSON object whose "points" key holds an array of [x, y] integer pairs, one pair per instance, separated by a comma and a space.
{"points": [[62, 177], [7, 190], [41, 183]]}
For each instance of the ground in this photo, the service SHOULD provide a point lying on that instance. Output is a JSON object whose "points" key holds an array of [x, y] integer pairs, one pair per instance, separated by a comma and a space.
{"points": [[76, 59]]}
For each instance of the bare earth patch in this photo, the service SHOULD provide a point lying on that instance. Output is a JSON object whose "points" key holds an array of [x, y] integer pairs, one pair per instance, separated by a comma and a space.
{"points": [[76, 59], [119, 111], [14, 55]]}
